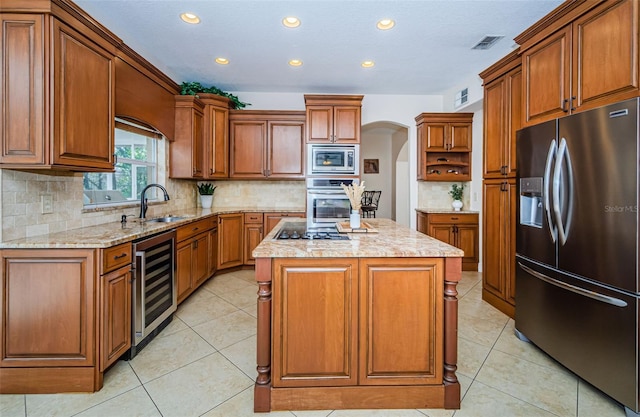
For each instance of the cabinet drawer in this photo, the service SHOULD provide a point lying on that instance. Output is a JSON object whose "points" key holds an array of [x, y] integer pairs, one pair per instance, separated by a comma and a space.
{"points": [[116, 257], [253, 217], [213, 222], [471, 218], [192, 229]]}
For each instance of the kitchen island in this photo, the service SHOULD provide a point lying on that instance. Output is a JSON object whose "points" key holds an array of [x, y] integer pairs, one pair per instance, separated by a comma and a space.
{"points": [[369, 322]]}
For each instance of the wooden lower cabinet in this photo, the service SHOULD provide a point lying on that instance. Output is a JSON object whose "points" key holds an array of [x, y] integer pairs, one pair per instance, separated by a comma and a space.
{"points": [[230, 237], [357, 333], [253, 234], [459, 230], [192, 257], [115, 315], [48, 321], [499, 225]]}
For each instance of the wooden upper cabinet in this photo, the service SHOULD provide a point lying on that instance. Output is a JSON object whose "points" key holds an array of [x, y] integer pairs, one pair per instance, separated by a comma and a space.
{"points": [[502, 116], [216, 135], [201, 141], [581, 57], [333, 118], [267, 144], [52, 71], [444, 146], [186, 152]]}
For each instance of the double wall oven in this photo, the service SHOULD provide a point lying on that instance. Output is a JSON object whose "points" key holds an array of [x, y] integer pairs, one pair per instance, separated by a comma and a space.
{"points": [[327, 202]]}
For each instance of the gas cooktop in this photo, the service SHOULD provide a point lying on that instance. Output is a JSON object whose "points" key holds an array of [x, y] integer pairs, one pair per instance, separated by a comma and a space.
{"points": [[296, 231]]}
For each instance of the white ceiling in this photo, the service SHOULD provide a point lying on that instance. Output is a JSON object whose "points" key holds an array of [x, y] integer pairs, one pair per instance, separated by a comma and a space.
{"points": [[428, 51]]}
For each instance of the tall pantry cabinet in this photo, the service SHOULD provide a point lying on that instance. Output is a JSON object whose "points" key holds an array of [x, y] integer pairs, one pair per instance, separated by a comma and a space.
{"points": [[502, 118]]}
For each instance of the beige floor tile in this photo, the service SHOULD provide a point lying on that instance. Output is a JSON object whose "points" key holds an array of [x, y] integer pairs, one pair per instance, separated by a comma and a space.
{"points": [[244, 298], [198, 387], [175, 326], [12, 405], [509, 343], [471, 356], [134, 403], [117, 380], [554, 390], [481, 330], [312, 413], [593, 403], [475, 307], [166, 354], [468, 281], [465, 383], [228, 282], [203, 306], [243, 355], [376, 413], [227, 330], [252, 311], [242, 406], [248, 275], [484, 401]]}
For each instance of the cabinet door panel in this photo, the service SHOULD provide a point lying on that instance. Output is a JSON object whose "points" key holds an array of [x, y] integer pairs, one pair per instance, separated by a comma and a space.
{"points": [[315, 322], [401, 348], [48, 308], [494, 113], [218, 142], [547, 72], [460, 139], [200, 270], [252, 237], [605, 43], [21, 65], [84, 106], [436, 136], [286, 150], [514, 119], [442, 233], [248, 149], [467, 240], [510, 199], [116, 315], [184, 260], [493, 252], [319, 123], [230, 237], [346, 126]]}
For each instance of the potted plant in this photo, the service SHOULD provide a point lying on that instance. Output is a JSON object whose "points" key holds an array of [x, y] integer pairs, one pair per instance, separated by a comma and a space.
{"points": [[193, 88], [206, 190], [456, 194]]}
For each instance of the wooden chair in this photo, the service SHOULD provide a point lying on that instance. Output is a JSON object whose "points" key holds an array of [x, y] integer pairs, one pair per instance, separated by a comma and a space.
{"points": [[370, 201]]}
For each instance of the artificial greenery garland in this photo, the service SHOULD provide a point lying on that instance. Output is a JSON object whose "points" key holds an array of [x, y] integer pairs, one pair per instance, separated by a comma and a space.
{"points": [[193, 88]]}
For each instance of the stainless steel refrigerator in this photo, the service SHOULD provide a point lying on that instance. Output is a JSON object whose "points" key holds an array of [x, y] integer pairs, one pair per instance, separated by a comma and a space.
{"points": [[577, 285]]}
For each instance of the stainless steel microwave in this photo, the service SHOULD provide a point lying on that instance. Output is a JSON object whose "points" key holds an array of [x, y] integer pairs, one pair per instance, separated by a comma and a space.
{"points": [[333, 159]]}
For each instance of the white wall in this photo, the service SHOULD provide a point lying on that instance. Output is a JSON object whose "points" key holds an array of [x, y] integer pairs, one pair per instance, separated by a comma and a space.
{"points": [[378, 146]]}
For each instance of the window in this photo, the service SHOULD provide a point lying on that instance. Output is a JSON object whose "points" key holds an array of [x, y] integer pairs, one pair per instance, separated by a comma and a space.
{"points": [[136, 167]]}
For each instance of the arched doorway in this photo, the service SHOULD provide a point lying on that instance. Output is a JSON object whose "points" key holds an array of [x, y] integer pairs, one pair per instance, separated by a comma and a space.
{"points": [[388, 143]]}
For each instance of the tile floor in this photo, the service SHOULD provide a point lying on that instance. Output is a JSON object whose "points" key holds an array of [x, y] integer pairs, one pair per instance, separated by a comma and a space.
{"points": [[203, 364]]}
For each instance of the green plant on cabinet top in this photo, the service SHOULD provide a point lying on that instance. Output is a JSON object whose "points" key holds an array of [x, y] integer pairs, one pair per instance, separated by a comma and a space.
{"points": [[193, 88]]}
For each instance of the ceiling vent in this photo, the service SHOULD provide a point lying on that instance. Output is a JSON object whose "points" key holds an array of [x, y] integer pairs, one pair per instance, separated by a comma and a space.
{"points": [[487, 42]]}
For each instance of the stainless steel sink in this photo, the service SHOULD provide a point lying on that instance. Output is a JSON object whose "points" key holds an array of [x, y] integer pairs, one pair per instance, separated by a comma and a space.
{"points": [[168, 219]]}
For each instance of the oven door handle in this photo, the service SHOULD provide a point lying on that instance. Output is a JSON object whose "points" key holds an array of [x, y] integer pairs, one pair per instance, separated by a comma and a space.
{"points": [[326, 193]]}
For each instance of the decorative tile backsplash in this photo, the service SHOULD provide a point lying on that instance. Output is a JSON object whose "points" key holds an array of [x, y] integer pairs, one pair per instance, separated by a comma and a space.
{"points": [[435, 195]]}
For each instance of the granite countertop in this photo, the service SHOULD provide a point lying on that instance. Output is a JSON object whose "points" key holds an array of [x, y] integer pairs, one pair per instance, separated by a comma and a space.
{"points": [[392, 240], [446, 211], [114, 233]]}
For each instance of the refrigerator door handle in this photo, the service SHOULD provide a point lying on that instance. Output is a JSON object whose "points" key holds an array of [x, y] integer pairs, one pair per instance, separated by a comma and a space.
{"points": [[547, 175], [580, 291], [563, 155]]}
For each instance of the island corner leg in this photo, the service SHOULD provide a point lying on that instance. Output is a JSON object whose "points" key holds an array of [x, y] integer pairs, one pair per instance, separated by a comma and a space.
{"points": [[452, 275], [262, 387]]}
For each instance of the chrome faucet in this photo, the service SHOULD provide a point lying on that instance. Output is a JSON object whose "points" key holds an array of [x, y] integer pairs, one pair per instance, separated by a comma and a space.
{"points": [[143, 200]]}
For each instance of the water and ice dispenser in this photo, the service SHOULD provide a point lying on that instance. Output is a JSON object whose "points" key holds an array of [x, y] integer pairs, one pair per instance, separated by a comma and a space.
{"points": [[531, 205]]}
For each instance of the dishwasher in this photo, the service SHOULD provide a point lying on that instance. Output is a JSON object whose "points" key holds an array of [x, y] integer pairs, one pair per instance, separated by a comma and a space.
{"points": [[154, 291]]}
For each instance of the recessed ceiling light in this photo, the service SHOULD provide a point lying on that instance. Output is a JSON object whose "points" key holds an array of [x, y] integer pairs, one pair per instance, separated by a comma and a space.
{"points": [[190, 18], [291, 22], [367, 64], [295, 62], [385, 24], [222, 61]]}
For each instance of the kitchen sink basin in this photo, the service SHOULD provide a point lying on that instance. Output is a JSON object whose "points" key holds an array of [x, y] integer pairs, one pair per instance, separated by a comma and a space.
{"points": [[168, 219]]}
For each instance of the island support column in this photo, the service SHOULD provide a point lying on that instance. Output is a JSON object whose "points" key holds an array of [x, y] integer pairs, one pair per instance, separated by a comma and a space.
{"points": [[452, 275], [262, 388]]}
